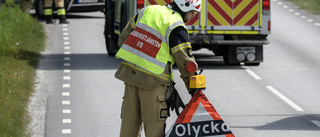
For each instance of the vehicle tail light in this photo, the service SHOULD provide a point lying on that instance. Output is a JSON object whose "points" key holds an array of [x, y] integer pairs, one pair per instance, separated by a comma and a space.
{"points": [[266, 7], [140, 4]]}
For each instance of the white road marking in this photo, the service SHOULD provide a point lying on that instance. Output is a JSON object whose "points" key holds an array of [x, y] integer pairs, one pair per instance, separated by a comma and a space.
{"points": [[67, 58], [296, 13], [284, 98], [66, 121], [316, 122], [66, 71], [66, 111], [66, 85], [66, 43], [254, 75], [66, 131], [66, 77], [66, 102], [65, 94]]}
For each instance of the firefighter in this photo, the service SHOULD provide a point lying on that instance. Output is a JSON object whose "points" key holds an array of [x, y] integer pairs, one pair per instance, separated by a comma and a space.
{"points": [[152, 41], [25, 5], [60, 11]]}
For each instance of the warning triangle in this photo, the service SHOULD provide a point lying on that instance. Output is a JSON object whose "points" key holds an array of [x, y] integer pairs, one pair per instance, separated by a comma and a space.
{"points": [[201, 114], [190, 111], [199, 118]]}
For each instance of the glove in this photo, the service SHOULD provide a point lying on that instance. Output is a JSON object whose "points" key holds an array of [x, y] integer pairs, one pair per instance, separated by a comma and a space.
{"points": [[173, 99]]}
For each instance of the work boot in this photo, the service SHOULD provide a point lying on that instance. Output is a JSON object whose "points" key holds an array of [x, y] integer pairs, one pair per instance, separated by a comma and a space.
{"points": [[49, 19], [63, 19]]}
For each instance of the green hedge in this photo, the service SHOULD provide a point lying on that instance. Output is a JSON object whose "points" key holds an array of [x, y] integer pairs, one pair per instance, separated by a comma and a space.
{"points": [[311, 5]]}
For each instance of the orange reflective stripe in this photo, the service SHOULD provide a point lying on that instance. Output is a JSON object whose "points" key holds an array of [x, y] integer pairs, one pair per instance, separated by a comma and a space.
{"points": [[233, 13], [159, 2]]}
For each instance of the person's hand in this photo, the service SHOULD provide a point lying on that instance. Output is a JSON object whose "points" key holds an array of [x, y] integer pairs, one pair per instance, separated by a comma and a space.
{"points": [[192, 92], [173, 100]]}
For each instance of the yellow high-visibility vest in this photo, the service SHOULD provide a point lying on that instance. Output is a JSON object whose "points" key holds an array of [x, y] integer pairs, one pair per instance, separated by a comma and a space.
{"points": [[147, 46]]}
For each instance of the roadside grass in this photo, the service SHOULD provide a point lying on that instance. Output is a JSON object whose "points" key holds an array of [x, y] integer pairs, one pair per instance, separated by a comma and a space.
{"points": [[21, 40], [311, 5]]}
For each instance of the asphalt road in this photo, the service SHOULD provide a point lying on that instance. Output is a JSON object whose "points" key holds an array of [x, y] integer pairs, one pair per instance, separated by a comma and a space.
{"points": [[279, 98]]}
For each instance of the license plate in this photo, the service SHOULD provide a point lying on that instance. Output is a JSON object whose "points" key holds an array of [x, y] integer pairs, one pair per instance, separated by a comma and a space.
{"points": [[87, 1], [246, 50]]}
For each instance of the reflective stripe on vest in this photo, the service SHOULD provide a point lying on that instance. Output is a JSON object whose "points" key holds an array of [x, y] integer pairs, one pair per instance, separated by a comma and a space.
{"points": [[162, 76], [153, 31], [170, 28], [143, 55], [147, 46]]}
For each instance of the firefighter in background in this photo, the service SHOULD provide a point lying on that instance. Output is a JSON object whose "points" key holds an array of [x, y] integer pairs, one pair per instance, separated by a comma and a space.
{"points": [[153, 40], [60, 11], [25, 5]]}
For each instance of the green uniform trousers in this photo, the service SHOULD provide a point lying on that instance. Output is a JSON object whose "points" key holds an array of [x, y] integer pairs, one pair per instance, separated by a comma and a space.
{"points": [[147, 107], [58, 3]]}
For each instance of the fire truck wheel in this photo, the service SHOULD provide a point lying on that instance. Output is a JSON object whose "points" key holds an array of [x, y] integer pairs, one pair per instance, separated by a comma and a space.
{"points": [[110, 37]]}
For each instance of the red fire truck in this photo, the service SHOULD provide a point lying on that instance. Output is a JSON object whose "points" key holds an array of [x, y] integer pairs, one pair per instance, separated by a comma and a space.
{"points": [[234, 29]]}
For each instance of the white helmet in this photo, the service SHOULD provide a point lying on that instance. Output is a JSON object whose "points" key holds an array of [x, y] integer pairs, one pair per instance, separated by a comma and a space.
{"points": [[189, 5]]}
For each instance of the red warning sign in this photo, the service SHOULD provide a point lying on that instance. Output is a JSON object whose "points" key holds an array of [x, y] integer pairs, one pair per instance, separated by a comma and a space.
{"points": [[199, 118], [144, 41]]}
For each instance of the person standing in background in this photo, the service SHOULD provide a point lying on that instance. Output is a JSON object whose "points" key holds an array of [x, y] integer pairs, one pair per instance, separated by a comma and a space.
{"points": [[60, 11], [25, 5]]}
